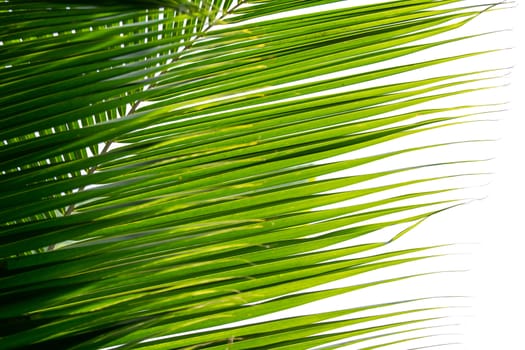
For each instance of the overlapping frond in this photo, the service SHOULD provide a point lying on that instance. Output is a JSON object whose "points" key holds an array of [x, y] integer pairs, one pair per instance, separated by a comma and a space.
{"points": [[168, 166]]}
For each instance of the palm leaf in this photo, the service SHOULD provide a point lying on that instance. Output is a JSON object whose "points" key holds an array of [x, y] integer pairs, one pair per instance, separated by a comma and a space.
{"points": [[171, 168]]}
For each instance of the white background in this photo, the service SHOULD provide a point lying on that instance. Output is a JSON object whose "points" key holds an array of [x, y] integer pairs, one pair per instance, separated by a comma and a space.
{"points": [[490, 231], [496, 223], [495, 279]]}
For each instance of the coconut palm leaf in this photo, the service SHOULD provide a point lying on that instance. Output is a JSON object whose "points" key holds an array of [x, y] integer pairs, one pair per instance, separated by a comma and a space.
{"points": [[172, 170]]}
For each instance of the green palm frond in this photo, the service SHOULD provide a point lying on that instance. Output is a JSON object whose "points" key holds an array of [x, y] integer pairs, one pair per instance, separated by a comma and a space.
{"points": [[169, 169]]}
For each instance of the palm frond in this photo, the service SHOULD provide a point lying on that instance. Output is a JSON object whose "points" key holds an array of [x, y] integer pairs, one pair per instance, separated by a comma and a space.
{"points": [[168, 167]]}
